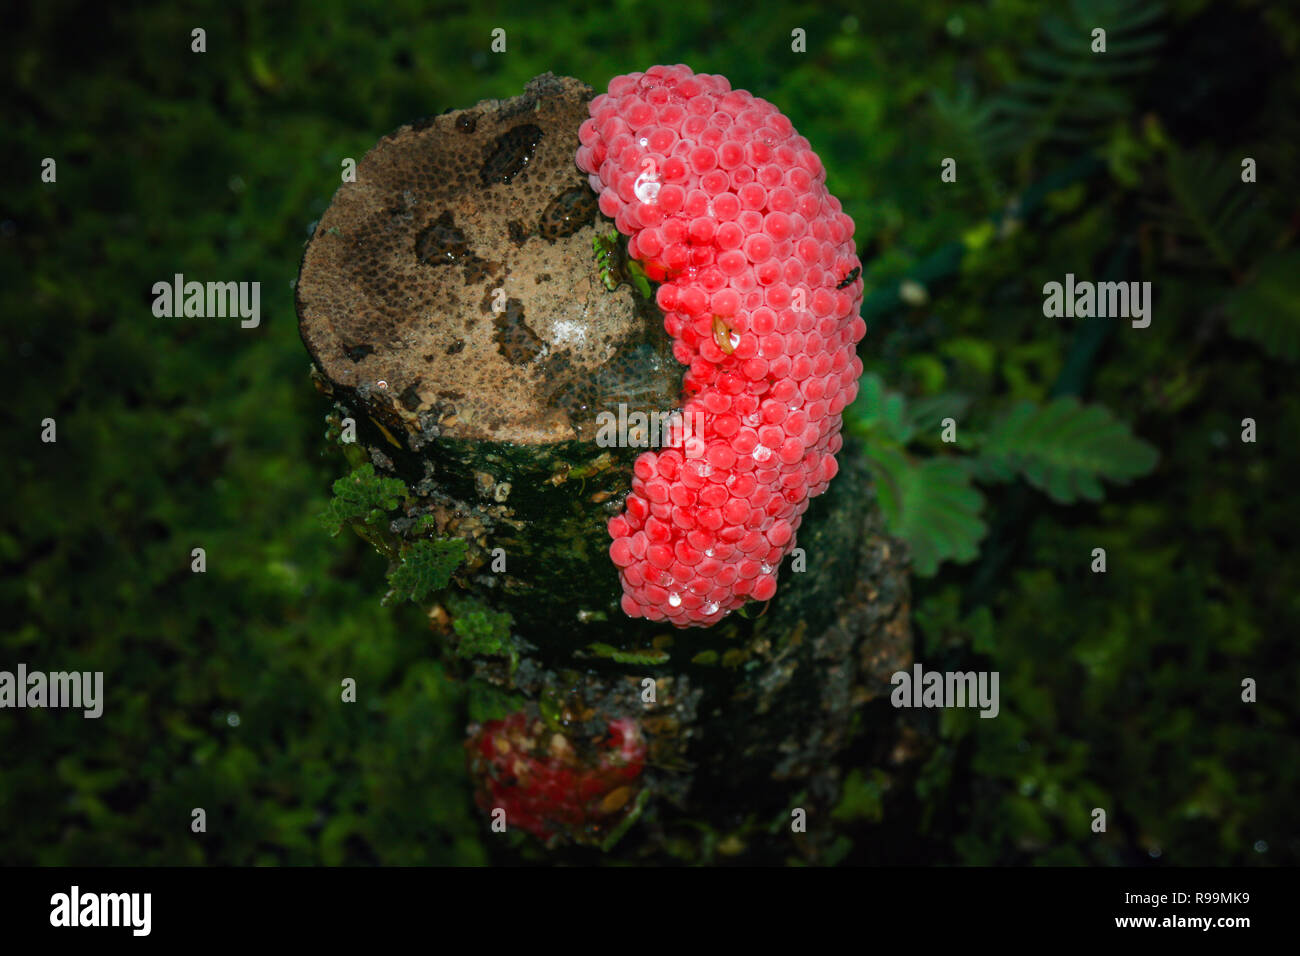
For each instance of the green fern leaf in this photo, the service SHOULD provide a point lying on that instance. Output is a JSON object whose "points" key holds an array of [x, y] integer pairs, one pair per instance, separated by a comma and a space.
{"points": [[1064, 449], [931, 504], [426, 566], [1266, 310], [1068, 92], [879, 411], [361, 496], [1210, 215], [926, 415], [974, 131]]}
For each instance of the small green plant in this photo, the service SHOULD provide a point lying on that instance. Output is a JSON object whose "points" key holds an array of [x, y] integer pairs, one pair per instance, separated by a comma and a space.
{"points": [[616, 267], [426, 566], [368, 502], [482, 631], [362, 497], [1063, 448], [647, 657], [486, 702]]}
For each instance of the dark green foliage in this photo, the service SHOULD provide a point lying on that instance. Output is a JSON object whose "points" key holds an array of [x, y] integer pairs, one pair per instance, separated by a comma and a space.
{"points": [[1063, 449], [1119, 690], [1060, 93], [486, 702], [1267, 309], [929, 503], [1071, 85]]}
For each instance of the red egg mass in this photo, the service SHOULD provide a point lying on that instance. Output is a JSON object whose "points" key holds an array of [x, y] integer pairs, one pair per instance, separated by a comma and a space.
{"points": [[546, 786], [726, 206]]}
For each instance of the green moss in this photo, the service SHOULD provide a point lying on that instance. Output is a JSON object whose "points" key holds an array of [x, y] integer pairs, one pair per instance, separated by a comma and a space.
{"points": [[483, 632], [649, 657], [862, 797], [487, 702]]}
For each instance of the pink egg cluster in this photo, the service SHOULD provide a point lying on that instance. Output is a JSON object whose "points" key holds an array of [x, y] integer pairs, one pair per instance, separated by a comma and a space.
{"points": [[727, 206]]}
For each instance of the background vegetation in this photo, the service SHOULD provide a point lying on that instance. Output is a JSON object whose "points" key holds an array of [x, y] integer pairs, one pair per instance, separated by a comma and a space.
{"points": [[1119, 690]]}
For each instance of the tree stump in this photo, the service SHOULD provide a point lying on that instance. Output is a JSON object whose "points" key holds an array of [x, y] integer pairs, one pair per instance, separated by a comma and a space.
{"points": [[454, 312]]}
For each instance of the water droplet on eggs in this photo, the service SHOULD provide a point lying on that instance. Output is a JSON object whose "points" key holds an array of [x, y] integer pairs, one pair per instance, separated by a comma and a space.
{"points": [[646, 188]]}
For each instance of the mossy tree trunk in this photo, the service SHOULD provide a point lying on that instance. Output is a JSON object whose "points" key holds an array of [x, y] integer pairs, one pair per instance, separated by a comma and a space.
{"points": [[456, 316]]}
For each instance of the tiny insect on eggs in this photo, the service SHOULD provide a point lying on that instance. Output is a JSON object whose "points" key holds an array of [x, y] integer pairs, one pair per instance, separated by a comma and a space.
{"points": [[758, 293]]}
